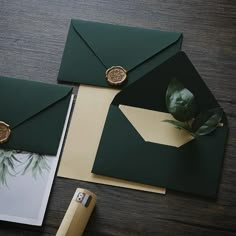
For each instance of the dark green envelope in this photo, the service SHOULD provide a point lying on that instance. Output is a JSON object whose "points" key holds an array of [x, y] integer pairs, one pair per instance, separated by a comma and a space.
{"points": [[92, 48], [36, 114], [195, 167]]}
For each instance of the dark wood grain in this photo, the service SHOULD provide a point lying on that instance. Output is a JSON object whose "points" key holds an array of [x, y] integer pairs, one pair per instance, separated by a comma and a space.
{"points": [[32, 38]]}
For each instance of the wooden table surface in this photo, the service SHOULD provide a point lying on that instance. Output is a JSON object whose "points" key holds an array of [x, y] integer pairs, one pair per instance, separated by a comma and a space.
{"points": [[32, 39]]}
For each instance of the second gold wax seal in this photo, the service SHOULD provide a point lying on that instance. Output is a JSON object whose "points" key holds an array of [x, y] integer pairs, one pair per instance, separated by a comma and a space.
{"points": [[116, 75], [4, 132]]}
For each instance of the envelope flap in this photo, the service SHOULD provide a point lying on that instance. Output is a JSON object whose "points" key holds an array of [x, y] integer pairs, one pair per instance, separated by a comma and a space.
{"points": [[122, 45], [149, 92], [22, 99]]}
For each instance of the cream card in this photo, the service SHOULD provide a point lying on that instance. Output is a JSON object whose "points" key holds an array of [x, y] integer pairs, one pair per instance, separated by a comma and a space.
{"points": [[84, 135], [149, 124]]}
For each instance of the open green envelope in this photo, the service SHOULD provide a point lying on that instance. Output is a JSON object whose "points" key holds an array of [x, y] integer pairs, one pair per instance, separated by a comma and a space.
{"points": [[36, 113], [92, 48], [194, 167]]}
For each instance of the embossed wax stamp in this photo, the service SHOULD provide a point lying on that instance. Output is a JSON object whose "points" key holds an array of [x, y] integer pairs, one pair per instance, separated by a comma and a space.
{"points": [[5, 132], [116, 75]]}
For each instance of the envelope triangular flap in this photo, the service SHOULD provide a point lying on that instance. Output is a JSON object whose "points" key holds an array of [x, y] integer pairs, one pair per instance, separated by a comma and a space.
{"points": [[122, 45], [21, 99], [149, 92]]}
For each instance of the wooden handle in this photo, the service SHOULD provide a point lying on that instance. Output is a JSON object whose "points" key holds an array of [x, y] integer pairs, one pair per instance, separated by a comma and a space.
{"points": [[78, 213]]}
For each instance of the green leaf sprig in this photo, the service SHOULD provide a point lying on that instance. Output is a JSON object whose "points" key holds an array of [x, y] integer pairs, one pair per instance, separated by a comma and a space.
{"points": [[12, 166], [182, 105]]}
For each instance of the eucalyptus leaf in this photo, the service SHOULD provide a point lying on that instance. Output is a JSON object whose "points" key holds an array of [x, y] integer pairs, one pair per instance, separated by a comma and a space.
{"points": [[10, 163], [15, 159], [180, 101], [208, 121], [3, 174], [28, 165]]}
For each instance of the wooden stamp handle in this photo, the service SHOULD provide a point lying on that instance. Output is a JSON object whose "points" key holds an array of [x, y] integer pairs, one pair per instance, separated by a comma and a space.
{"points": [[78, 213]]}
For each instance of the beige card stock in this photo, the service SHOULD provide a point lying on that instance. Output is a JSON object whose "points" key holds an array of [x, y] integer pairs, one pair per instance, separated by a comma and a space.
{"points": [[149, 124], [83, 138]]}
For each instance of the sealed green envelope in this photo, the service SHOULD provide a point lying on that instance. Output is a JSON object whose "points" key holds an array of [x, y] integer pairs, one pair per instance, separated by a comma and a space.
{"points": [[194, 167], [92, 48], [35, 112]]}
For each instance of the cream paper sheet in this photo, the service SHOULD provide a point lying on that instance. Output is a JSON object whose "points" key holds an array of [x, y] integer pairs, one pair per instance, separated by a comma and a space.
{"points": [[83, 139], [149, 124]]}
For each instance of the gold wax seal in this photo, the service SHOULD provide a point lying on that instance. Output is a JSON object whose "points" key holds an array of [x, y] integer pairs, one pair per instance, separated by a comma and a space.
{"points": [[116, 75], [5, 132]]}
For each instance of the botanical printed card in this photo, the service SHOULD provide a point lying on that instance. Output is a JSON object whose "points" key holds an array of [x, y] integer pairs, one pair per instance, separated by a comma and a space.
{"points": [[25, 183]]}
